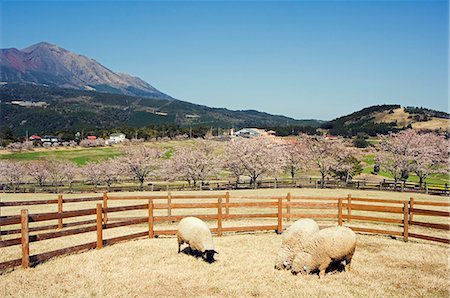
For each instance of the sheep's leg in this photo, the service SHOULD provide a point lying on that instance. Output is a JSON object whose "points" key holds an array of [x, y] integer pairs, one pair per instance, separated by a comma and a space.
{"points": [[348, 260], [323, 267], [180, 241]]}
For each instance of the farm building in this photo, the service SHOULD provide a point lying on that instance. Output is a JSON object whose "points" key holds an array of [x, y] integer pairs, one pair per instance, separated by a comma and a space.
{"points": [[116, 138], [254, 133]]}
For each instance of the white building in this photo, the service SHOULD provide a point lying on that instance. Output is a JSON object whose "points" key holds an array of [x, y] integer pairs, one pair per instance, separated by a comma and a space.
{"points": [[253, 133], [116, 138]]}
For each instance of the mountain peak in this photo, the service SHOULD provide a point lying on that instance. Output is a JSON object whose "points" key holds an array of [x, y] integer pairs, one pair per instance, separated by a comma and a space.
{"points": [[49, 64]]}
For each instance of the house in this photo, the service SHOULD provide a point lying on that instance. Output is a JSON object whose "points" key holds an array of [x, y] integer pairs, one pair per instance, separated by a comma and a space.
{"points": [[50, 139], [115, 138], [254, 133], [35, 138]]}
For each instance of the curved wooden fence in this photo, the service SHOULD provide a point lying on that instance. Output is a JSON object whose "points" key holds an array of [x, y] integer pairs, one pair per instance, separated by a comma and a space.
{"points": [[391, 217]]}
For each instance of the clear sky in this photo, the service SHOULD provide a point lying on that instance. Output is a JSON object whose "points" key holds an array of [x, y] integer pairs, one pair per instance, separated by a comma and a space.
{"points": [[304, 59]]}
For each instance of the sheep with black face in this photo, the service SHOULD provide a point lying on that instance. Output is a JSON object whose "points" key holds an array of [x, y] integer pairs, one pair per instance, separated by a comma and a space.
{"points": [[196, 233]]}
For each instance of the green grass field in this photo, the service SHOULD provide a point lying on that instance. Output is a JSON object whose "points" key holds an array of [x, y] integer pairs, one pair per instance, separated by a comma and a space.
{"points": [[78, 156]]}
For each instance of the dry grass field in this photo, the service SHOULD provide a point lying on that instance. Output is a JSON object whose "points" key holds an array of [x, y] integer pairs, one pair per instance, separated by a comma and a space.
{"points": [[151, 267], [382, 267]]}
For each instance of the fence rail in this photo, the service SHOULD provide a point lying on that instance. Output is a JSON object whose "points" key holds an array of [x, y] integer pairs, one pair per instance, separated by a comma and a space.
{"points": [[303, 182], [283, 208]]}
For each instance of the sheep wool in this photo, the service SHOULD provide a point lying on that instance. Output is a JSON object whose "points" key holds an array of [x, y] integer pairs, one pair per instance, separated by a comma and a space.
{"points": [[196, 233], [294, 238], [330, 244]]}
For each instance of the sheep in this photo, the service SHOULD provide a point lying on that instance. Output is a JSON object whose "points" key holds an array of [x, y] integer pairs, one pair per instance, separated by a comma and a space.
{"points": [[328, 245], [196, 234], [293, 240]]}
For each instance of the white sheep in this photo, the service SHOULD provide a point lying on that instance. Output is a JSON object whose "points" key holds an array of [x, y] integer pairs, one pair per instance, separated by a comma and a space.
{"points": [[196, 233], [293, 240], [328, 245]]}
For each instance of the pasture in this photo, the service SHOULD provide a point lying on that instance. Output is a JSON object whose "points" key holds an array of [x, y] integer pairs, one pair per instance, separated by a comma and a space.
{"points": [[382, 266]]}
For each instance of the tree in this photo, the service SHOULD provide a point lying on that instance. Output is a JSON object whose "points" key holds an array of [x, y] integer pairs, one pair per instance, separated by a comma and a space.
{"points": [[294, 157], [141, 162], [231, 162], [110, 171], [396, 153], [69, 172], [257, 157], [430, 155], [55, 174], [38, 171], [13, 172], [93, 171], [327, 155], [194, 163]]}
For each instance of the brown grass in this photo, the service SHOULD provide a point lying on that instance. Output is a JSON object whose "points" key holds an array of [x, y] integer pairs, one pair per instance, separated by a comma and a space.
{"points": [[151, 267]]}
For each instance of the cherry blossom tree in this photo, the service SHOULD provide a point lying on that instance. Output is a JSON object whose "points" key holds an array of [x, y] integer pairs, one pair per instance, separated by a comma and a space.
{"points": [[93, 172], [396, 155], [411, 151], [69, 172], [13, 172], [430, 155], [110, 170], [194, 163], [38, 171], [327, 155], [254, 157], [294, 157], [141, 162]]}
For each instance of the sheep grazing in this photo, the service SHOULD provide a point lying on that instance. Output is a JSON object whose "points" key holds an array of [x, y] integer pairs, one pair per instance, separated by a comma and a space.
{"points": [[196, 234], [335, 244], [293, 240]]}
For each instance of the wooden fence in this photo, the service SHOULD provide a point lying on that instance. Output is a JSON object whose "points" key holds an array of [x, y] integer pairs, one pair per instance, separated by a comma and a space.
{"points": [[348, 211], [303, 182]]}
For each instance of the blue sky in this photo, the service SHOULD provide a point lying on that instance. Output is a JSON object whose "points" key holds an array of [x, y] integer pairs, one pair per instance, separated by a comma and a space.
{"points": [[304, 59]]}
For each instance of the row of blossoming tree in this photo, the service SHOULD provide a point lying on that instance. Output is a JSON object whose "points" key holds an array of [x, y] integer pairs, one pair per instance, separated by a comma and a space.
{"points": [[251, 159]]}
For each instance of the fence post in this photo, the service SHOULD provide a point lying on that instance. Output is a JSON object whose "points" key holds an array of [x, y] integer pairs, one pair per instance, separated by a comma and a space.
{"points": [[169, 207], [405, 221], [280, 216], [411, 207], [105, 205], [227, 207], [219, 217], [60, 210], [99, 227], [25, 238], [340, 211], [150, 219], [349, 207], [275, 183], [288, 206]]}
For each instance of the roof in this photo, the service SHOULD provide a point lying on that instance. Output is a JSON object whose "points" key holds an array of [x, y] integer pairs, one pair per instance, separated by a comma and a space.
{"points": [[117, 134], [91, 137]]}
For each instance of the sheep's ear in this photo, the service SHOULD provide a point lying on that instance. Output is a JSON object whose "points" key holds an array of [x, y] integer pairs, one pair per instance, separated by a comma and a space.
{"points": [[215, 252]]}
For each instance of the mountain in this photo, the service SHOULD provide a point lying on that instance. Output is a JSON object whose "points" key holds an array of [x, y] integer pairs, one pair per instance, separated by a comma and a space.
{"points": [[381, 119], [46, 110], [51, 65]]}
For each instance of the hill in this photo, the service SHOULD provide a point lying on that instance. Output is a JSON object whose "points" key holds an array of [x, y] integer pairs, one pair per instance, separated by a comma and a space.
{"points": [[381, 119], [50, 65], [65, 109]]}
